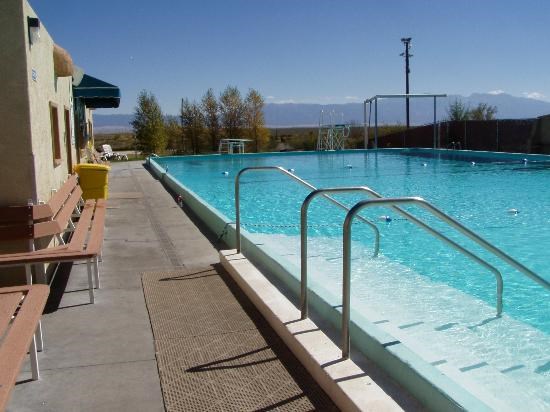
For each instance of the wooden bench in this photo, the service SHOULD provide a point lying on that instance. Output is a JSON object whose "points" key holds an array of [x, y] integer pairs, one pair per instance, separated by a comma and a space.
{"points": [[20, 310], [53, 219]]}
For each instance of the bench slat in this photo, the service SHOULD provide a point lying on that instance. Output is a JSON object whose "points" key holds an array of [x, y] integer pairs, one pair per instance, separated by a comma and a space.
{"points": [[40, 212], [16, 232], [82, 228], [49, 228], [97, 230], [8, 304], [12, 214], [6, 258], [67, 210], [60, 197], [16, 343], [59, 255]]}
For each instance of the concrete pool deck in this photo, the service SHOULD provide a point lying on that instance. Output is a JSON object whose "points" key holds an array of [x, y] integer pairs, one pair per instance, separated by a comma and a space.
{"points": [[102, 356]]}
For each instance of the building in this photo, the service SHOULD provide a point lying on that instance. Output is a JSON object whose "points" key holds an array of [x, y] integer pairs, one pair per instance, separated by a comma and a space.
{"points": [[46, 105]]}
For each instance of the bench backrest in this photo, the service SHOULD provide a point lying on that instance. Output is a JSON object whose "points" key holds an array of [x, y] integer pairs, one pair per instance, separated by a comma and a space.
{"points": [[37, 221]]}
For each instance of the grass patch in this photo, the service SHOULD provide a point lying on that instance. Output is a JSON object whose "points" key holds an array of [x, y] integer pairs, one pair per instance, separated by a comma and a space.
{"points": [[118, 141]]}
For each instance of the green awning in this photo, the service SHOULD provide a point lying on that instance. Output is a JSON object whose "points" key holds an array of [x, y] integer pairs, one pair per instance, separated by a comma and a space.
{"points": [[96, 93]]}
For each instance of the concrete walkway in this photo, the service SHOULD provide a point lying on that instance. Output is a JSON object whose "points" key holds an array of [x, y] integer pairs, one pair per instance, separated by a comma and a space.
{"points": [[101, 357]]}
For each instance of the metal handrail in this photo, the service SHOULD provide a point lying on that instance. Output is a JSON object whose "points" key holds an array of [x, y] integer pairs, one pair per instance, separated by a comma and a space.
{"points": [[436, 212], [303, 237], [299, 180], [408, 216], [346, 287]]}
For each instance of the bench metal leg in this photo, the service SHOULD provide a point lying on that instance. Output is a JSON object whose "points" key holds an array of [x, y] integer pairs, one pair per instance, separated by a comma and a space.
{"points": [[34, 360], [90, 280], [60, 239], [96, 272], [76, 211], [38, 341], [39, 338], [28, 274]]}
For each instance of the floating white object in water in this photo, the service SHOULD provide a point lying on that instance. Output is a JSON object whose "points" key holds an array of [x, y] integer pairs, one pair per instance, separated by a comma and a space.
{"points": [[424, 164], [524, 160], [384, 218], [291, 170], [513, 211], [349, 166], [473, 163], [225, 173]]}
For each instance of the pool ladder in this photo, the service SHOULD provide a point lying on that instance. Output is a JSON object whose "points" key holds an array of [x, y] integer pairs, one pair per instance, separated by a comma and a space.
{"points": [[352, 213]]}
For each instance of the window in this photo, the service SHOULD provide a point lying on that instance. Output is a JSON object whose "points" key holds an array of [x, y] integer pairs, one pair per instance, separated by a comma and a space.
{"points": [[56, 146], [68, 139]]}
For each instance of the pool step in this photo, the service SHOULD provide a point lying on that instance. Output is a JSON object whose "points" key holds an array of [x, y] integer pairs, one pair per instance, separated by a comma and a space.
{"points": [[471, 369], [473, 373]]}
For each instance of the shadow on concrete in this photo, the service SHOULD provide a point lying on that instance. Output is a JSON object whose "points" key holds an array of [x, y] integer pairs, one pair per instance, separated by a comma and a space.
{"points": [[58, 287]]}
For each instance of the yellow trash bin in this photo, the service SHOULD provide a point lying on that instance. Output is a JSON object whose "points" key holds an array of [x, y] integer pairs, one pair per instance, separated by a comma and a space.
{"points": [[94, 179]]}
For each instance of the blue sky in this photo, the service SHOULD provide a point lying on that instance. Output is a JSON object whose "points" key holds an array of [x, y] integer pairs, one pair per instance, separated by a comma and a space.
{"points": [[316, 51]]}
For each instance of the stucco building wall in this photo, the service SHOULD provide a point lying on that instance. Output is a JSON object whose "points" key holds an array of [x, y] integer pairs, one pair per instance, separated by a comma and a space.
{"points": [[28, 167], [17, 165]]}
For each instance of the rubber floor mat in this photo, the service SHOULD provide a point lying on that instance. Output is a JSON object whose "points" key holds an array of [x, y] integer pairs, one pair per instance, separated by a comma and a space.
{"points": [[215, 352]]}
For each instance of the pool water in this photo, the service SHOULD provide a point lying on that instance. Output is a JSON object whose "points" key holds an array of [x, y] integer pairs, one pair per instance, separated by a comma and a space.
{"points": [[434, 288]]}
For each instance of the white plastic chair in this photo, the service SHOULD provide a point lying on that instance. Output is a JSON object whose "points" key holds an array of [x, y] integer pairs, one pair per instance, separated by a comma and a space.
{"points": [[108, 153]]}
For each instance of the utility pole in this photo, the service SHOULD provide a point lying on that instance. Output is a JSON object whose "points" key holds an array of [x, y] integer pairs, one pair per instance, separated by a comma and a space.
{"points": [[182, 129], [407, 42]]}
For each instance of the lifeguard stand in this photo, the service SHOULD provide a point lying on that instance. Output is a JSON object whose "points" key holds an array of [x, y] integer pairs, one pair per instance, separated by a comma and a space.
{"points": [[332, 134]]}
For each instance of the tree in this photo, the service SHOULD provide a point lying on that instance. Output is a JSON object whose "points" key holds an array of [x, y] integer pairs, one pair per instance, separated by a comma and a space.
{"points": [[254, 118], [211, 113], [174, 134], [458, 110], [192, 121], [483, 111], [148, 124], [231, 111]]}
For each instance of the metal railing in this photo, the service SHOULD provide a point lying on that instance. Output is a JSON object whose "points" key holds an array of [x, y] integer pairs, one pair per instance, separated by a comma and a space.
{"points": [[299, 180], [346, 287], [408, 216], [303, 237]]}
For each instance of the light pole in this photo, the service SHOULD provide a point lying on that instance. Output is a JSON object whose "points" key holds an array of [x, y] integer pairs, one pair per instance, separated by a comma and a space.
{"points": [[407, 42]]}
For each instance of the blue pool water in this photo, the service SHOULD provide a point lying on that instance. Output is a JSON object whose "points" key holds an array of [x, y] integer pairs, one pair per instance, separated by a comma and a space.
{"points": [[479, 190]]}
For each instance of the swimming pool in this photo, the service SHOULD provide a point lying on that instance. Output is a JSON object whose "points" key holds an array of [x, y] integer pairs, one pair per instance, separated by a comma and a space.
{"points": [[418, 289]]}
